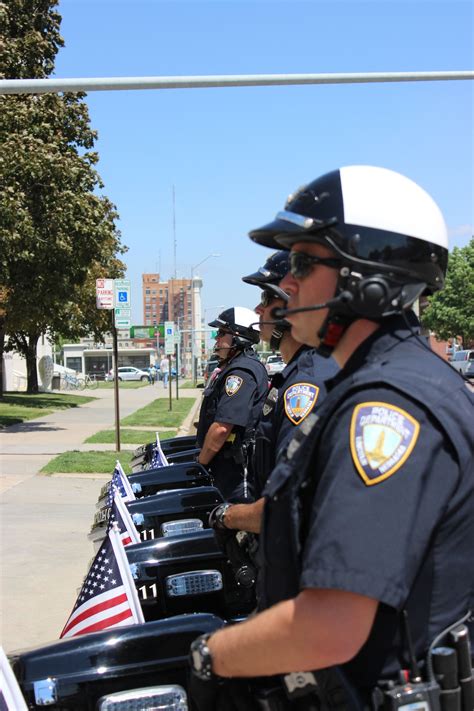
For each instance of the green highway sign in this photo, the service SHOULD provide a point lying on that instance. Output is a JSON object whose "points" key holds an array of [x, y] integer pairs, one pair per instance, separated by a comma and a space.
{"points": [[147, 331]]}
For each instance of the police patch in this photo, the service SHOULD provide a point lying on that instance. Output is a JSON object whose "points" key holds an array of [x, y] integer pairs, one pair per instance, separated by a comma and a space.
{"points": [[299, 400], [232, 384], [382, 438]]}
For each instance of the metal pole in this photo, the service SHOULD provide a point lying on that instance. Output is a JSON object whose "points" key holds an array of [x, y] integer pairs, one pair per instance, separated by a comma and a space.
{"points": [[169, 381], [42, 86], [116, 386], [177, 370]]}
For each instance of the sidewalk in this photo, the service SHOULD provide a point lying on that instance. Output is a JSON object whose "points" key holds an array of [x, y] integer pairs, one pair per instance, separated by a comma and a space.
{"points": [[45, 519]]}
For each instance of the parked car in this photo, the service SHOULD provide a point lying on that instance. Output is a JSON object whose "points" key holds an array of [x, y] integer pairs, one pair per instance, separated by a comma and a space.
{"points": [[274, 364], [462, 359], [128, 372], [469, 372]]}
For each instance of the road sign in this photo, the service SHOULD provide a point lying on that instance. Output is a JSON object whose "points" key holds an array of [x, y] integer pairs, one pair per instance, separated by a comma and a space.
{"points": [[104, 293], [123, 313], [122, 323], [169, 337], [122, 293]]}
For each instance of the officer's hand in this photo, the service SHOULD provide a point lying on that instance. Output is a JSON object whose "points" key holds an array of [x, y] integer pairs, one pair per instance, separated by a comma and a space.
{"points": [[217, 516]]}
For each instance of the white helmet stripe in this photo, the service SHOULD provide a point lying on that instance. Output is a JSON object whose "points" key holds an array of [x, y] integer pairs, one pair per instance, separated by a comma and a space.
{"points": [[385, 200]]}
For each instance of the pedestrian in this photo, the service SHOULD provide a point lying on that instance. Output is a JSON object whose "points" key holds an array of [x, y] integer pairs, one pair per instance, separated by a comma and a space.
{"points": [[164, 370], [232, 402], [368, 524], [150, 375]]}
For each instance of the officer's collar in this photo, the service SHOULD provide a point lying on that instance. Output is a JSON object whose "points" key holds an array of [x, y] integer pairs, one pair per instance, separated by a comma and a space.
{"points": [[392, 331], [297, 354]]}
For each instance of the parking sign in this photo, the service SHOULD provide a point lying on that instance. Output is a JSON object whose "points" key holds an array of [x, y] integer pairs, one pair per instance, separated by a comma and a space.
{"points": [[122, 293]]}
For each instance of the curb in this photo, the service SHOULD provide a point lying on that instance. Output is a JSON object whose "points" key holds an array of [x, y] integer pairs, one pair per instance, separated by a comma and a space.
{"points": [[188, 423]]}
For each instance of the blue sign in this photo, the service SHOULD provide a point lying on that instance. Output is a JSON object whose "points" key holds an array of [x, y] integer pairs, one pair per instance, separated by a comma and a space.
{"points": [[122, 296]]}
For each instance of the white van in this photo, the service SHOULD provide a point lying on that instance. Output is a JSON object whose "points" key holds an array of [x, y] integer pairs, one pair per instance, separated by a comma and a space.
{"points": [[461, 360]]}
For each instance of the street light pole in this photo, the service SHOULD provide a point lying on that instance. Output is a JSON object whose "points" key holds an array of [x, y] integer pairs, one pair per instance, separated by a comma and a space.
{"points": [[193, 345]]}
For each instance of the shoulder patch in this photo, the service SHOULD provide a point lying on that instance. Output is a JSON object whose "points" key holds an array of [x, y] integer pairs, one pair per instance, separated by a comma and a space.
{"points": [[299, 399], [382, 438], [232, 384]]}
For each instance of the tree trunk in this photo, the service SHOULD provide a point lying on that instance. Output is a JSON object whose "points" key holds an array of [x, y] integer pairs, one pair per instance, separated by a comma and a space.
{"points": [[31, 369], [2, 350]]}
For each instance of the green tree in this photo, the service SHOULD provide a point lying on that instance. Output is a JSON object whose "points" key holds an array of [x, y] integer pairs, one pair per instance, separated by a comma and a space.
{"points": [[450, 312], [58, 231]]}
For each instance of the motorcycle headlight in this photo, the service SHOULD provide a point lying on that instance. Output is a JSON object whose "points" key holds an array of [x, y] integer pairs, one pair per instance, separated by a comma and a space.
{"points": [[150, 698], [185, 525], [193, 583]]}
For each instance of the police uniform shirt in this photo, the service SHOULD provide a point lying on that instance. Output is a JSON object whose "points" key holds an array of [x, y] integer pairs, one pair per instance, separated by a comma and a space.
{"points": [[392, 514], [240, 394], [294, 393], [235, 396]]}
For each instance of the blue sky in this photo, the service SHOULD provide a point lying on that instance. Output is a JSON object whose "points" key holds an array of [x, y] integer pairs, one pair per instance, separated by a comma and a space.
{"points": [[234, 155]]}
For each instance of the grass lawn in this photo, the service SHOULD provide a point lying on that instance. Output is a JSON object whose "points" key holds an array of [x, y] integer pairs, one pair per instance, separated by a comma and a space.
{"points": [[157, 414], [188, 384], [128, 436], [88, 462], [126, 384], [18, 407]]}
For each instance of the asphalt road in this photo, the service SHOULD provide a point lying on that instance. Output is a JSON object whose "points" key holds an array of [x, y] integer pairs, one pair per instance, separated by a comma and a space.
{"points": [[44, 520]]}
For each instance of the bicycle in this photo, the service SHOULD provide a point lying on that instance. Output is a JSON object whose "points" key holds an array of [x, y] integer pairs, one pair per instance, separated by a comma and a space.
{"points": [[91, 382], [70, 382]]}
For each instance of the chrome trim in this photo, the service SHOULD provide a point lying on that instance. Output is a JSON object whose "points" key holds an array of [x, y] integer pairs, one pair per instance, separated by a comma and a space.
{"points": [[181, 526], [295, 219], [165, 698], [196, 582], [45, 691]]}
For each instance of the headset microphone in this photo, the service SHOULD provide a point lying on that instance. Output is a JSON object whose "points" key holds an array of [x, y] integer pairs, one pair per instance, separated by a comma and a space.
{"points": [[345, 297]]}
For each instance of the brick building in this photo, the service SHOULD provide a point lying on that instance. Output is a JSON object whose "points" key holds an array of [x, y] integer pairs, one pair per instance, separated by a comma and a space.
{"points": [[177, 300]]}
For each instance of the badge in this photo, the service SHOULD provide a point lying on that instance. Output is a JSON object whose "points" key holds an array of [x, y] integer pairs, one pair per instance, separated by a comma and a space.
{"points": [[382, 438], [232, 384], [299, 400]]}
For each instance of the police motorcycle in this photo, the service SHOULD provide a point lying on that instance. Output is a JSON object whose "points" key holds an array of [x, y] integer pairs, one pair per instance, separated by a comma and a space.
{"points": [[175, 449], [139, 667], [180, 566]]}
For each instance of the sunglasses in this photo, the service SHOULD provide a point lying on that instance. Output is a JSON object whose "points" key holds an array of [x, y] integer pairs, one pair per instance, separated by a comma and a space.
{"points": [[266, 298], [220, 333], [302, 264]]}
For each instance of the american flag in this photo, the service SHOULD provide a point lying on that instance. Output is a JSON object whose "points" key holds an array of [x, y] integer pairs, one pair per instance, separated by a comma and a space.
{"points": [[121, 482], [120, 515], [158, 458], [11, 698], [108, 597]]}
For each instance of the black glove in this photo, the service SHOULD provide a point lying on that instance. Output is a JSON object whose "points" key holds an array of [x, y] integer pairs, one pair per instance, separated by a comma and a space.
{"points": [[216, 517]]}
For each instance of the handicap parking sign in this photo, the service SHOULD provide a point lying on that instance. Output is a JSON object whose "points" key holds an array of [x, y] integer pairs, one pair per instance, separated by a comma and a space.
{"points": [[122, 296]]}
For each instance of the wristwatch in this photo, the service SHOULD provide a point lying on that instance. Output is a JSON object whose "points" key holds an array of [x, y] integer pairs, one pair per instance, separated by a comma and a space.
{"points": [[200, 658], [217, 516]]}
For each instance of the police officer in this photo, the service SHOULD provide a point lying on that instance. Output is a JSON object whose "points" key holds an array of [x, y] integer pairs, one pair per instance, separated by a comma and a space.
{"points": [[231, 403], [293, 394], [368, 514]]}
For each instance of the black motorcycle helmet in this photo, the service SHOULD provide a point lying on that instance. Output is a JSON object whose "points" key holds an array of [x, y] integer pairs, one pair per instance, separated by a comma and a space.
{"points": [[240, 322], [387, 234], [268, 278]]}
